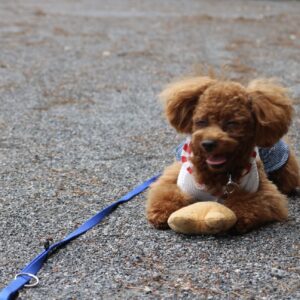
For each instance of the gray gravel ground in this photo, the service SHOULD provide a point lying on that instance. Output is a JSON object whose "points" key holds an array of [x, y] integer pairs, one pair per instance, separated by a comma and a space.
{"points": [[80, 126]]}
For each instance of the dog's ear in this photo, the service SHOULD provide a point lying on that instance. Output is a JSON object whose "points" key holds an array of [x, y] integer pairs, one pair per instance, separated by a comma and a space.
{"points": [[272, 109], [180, 99]]}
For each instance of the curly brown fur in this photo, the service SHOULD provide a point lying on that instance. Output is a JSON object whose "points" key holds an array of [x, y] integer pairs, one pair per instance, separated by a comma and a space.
{"points": [[234, 119], [256, 209], [165, 197]]}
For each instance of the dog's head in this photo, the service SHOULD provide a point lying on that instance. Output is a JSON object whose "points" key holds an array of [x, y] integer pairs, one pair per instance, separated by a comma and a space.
{"points": [[226, 120]]}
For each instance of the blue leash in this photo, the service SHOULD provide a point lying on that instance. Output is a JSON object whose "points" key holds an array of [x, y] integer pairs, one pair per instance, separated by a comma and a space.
{"points": [[29, 272]]}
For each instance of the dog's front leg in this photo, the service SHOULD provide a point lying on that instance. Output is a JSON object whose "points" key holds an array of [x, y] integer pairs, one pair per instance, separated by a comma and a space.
{"points": [[165, 197], [256, 209]]}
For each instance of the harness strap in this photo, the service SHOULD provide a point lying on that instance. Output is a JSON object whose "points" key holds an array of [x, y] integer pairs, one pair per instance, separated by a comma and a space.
{"points": [[30, 270]]}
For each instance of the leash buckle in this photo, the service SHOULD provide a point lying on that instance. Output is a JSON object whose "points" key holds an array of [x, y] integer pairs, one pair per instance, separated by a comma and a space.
{"points": [[32, 277]]}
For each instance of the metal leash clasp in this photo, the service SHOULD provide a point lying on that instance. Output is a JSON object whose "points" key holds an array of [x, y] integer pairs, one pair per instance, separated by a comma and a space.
{"points": [[231, 186], [32, 277]]}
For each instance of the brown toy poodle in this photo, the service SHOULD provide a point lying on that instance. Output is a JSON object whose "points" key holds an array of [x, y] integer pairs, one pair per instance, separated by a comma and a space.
{"points": [[227, 125]]}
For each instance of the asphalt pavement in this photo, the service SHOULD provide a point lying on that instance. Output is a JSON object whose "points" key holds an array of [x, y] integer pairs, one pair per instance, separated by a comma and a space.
{"points": [[81, 125]]}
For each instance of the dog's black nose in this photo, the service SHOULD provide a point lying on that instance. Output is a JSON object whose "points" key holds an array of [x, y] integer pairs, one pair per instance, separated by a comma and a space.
{"points": [[209, 145]]}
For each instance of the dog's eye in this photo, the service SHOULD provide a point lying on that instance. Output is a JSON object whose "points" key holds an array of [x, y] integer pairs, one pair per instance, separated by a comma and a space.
{"points": [[231, 125], [201, 123]]}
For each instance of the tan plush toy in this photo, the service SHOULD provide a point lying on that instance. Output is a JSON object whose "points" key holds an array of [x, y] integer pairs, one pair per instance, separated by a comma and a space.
{"points": [[202, 218]]}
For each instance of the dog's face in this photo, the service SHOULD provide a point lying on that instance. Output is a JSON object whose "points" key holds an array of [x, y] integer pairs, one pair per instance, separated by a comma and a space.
{"points": [[223, 126], [225, 119]]}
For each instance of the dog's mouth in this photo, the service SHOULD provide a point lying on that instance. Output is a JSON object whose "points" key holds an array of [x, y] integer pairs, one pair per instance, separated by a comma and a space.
{"points": [[216, 161]]}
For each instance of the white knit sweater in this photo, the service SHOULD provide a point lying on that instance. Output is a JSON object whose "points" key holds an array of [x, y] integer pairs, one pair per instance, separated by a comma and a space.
{"points": [[187, 183]]}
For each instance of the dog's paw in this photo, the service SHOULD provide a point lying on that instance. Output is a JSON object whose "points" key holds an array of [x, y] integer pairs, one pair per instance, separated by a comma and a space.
{"points": [[158, 221], [243, 225]]}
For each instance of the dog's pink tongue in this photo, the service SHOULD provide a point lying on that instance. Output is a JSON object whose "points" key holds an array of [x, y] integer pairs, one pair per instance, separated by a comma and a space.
{"points": [[216, 160]]}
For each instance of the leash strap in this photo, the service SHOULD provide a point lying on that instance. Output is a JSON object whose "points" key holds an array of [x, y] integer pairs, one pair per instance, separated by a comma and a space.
{"points": [[28, 273]]}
